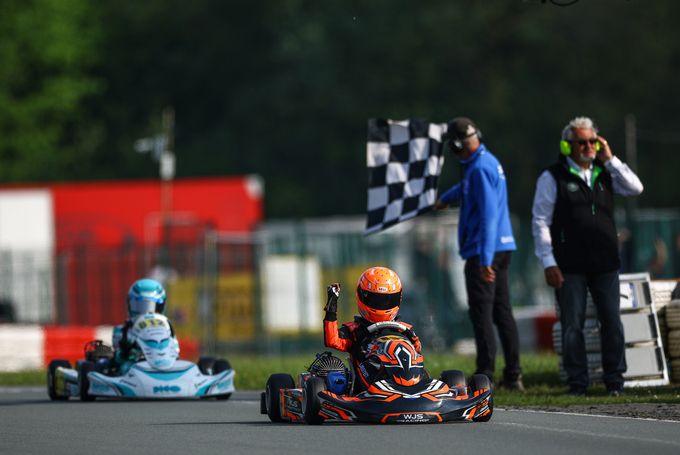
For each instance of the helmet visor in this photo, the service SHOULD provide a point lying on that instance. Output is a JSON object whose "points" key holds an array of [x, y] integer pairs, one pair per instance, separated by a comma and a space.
{"points": [[379, 301], [142, 305]]}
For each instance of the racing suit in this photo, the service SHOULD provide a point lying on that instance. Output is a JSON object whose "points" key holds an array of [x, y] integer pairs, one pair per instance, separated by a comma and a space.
{"points": [[126, 352], [351, 337]]}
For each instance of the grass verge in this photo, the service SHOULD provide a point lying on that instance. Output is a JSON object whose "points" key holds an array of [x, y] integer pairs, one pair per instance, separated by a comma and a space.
{"points": [[541, 379]]}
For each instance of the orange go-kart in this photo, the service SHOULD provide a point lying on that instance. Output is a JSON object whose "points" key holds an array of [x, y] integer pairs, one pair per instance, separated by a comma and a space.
{"points": [[401, 390]]}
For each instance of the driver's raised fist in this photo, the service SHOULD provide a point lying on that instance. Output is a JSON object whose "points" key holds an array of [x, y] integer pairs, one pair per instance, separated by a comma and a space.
{"points": [[333, 291]]}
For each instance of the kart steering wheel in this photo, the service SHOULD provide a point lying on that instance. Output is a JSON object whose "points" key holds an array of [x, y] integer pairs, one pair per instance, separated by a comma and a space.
{"points": [[394, 325]]}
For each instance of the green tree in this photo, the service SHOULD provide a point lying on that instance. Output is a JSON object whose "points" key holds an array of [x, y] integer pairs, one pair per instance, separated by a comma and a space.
{"points": [[284, 88], [47, 50]]}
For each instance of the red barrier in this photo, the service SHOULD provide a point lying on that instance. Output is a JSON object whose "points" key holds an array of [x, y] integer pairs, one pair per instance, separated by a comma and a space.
{"points": [[66, 342], [189, 349], [543, 324]]}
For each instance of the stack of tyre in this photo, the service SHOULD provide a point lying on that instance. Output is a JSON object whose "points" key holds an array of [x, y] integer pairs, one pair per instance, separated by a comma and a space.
{"points": [[591, 332], [672, 347], [662, 295]]}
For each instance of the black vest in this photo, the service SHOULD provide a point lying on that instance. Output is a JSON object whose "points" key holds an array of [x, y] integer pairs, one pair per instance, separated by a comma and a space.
{"points": [[583, 232]]}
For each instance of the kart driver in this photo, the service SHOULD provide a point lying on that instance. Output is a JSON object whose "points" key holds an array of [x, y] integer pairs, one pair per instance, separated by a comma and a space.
{"points": [[378, 298], [144, 296]]}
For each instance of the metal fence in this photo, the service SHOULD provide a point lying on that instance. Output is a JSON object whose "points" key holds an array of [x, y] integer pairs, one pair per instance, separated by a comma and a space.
{"points": [[265, 290]]}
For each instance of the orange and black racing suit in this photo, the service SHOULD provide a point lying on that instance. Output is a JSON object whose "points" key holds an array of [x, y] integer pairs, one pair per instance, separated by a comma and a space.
{"points": [[349, 338]]}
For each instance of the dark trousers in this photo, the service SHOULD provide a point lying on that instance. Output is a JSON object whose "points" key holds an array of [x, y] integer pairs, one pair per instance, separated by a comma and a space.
{"points": [[489, 304], [571, 297]]}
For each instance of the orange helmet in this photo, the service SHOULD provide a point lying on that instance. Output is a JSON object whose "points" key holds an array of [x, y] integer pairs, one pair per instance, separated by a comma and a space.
{"points": [[379, 294]]}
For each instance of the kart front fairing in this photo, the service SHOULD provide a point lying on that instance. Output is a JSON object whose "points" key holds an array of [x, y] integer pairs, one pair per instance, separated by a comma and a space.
{"points": [[388, 402], [181, 380]]}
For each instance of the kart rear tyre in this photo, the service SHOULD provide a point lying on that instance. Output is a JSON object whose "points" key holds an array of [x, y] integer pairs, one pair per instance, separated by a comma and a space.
{"points": [[481, 382], [220, 366], [84, 382], [205, 365], [275, 383], [51, 371], [453, 378], [311, 405]]}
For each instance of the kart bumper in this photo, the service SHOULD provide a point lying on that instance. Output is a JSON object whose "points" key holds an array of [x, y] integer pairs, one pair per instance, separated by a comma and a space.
{"points": [[404, 410]]}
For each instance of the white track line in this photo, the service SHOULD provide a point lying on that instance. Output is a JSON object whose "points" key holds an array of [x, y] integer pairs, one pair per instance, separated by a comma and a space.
{"points": [[538, 411], [599, 436]]}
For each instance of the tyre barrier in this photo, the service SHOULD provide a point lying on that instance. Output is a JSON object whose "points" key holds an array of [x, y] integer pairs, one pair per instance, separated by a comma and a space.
{"points": [[675, 370], [673, 314]]}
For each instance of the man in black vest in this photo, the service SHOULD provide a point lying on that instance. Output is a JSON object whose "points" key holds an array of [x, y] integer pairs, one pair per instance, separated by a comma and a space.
{"points": [[576, 241]]}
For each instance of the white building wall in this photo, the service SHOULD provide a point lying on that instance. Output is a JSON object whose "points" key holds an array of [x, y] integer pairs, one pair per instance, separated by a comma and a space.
{"points": [[27, 241]]}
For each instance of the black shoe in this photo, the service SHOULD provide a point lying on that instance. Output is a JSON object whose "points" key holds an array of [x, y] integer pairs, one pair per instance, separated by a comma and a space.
{"points": [[615, 390], [516, 384], [576, 391]]}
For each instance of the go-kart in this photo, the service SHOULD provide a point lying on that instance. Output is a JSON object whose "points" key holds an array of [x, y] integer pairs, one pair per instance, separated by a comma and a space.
{"points": [[158, 373], [401, 390]]}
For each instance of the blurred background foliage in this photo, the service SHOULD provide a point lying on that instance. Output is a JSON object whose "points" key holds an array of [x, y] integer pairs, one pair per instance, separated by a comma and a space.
{"points": [[284, 88]]}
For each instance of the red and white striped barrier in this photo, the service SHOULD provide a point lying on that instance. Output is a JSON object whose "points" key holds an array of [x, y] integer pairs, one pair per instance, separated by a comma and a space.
{"points": [[32, 347]]}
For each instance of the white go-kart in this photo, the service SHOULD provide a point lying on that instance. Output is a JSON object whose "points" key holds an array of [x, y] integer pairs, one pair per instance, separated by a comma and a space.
{"points": [[159, 374]]}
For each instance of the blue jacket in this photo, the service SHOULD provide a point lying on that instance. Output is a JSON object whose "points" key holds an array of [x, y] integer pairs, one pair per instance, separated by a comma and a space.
{"points": [[484, 226]]}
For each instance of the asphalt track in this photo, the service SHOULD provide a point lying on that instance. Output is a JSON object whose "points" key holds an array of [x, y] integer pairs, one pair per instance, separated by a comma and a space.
{"points": [[30, 424]]}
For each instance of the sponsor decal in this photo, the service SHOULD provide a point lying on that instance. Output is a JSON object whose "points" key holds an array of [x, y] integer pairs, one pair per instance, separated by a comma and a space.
{"points": [[408, 417], [364, 373], [293, 404], [151, 323], [167, 389], [572, 187]]}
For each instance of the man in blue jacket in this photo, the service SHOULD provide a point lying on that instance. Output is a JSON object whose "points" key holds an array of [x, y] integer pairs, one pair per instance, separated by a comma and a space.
{"points": [[486, 242]]}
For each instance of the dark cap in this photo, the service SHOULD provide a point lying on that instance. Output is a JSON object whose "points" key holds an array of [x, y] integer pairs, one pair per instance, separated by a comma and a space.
{"points": [[459, 128]]}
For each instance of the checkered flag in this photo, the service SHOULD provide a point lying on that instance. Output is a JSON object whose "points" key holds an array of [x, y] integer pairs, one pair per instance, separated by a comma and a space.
{"points": [[404, 160]]}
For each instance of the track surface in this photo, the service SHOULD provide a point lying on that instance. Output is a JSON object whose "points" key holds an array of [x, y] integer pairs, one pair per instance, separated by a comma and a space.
{"points": [[31, 424]]}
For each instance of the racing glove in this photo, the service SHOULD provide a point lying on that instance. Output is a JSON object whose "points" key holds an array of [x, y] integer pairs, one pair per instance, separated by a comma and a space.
{"points": [[331, 307]]}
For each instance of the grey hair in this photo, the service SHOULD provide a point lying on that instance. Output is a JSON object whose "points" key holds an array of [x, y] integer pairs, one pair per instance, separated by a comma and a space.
{"points": [[577, 122]]}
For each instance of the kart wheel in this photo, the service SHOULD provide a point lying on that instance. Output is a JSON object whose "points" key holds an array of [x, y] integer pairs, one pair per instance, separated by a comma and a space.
{"points": [[51, 371], [220, 366], [481, 382], [275, 383], [453, 378], [311, 405], [84, 382], [205, 365], [263, 403]]}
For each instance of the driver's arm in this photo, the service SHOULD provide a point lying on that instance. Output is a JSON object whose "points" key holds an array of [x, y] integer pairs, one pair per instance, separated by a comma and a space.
{"points": [[334, 338]]}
